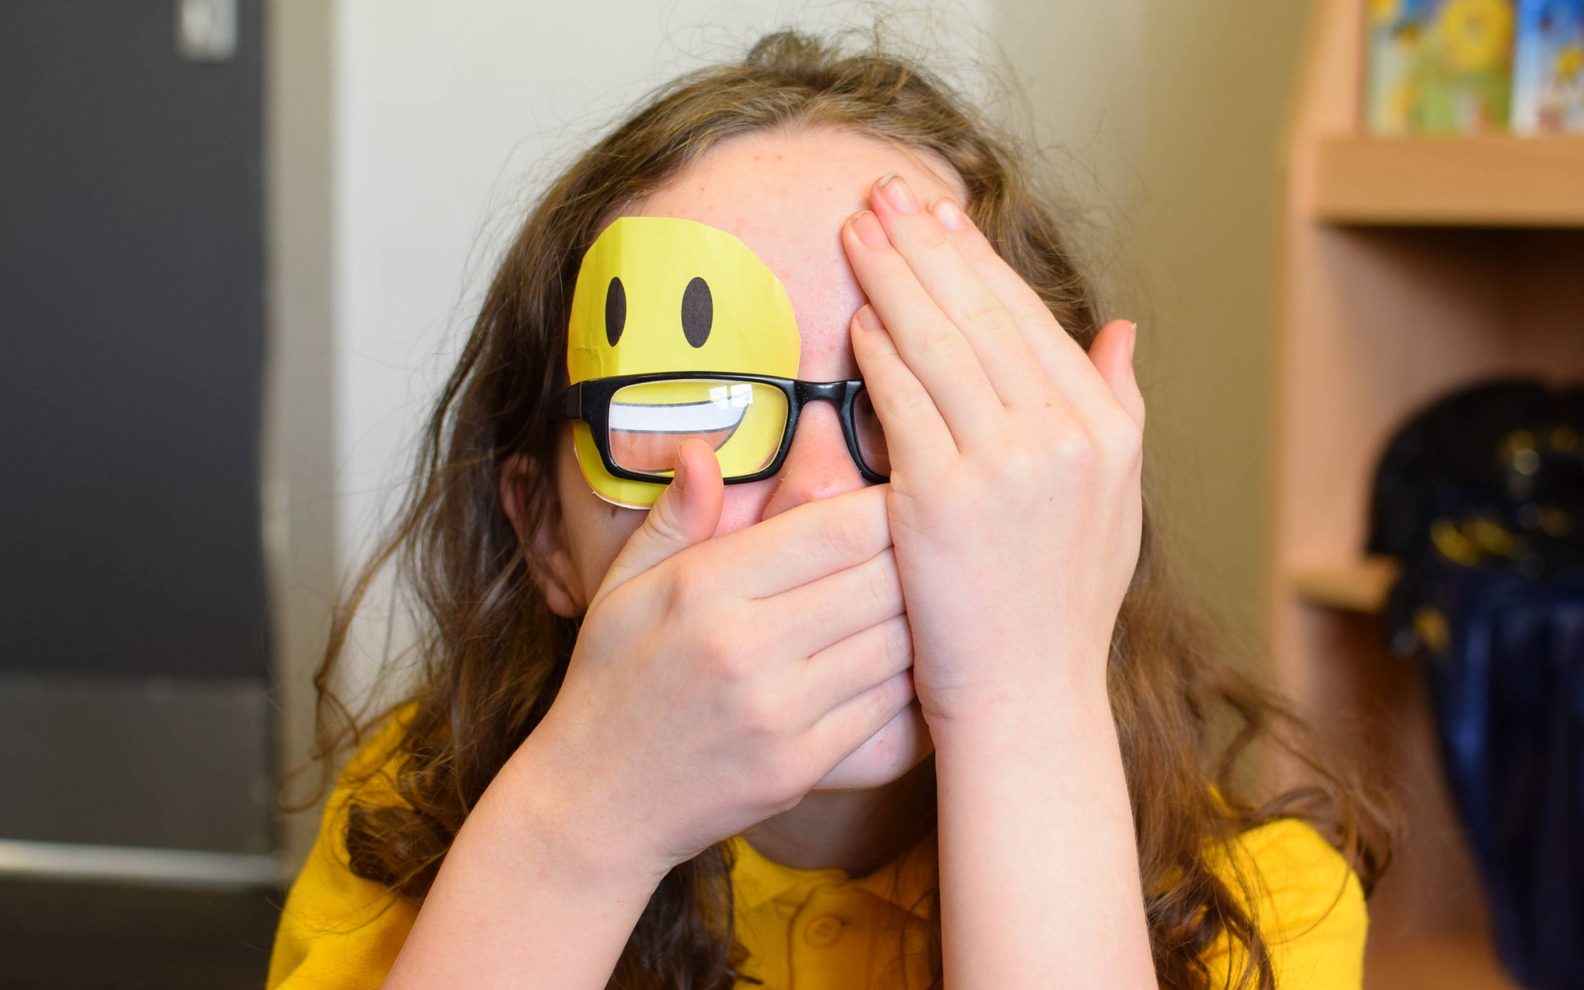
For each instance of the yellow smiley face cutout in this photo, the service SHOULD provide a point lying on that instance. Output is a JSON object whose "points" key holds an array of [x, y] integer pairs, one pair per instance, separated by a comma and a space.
{"points": [[666, 295]]}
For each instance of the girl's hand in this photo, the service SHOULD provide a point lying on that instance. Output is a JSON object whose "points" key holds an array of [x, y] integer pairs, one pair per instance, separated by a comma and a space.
{"points": [[1014, 494], [715, 681]]}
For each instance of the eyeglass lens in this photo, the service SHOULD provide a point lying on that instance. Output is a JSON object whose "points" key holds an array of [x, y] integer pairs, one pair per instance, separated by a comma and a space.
{"points": [[871, 438], [742, 421]]}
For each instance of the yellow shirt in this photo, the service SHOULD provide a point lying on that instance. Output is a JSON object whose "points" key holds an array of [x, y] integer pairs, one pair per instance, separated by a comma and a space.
{"points": [[821, 929]]}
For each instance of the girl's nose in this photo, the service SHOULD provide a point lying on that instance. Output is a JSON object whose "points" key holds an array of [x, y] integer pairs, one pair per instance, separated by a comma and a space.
{"points": [[818, 464]]}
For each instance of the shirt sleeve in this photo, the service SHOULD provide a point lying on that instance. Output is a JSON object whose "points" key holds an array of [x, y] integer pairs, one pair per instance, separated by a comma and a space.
{"points": [[337, 929], [1308, 905]]}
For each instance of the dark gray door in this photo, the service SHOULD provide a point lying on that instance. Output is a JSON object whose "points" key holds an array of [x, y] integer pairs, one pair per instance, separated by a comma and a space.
{"points": [[133, 641]]}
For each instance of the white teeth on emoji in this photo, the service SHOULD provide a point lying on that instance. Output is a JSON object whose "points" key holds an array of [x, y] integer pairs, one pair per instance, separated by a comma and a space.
{"points": [[722, 411], [644, 435]]}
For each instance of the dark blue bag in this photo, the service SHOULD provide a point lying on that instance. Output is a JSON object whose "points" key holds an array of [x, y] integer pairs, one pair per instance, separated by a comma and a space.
{"points": [[1480, 497]]}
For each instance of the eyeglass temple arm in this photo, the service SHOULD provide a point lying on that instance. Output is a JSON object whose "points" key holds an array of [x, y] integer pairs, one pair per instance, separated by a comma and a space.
{"points": [[572, 402]]}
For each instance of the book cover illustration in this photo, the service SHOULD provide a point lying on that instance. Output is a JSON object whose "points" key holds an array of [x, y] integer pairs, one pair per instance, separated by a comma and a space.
{"points": [[1439, 66], [1548, 83]]}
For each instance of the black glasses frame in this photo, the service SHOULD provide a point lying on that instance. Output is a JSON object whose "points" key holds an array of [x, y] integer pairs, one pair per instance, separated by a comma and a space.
{"points": [[590, 401]]}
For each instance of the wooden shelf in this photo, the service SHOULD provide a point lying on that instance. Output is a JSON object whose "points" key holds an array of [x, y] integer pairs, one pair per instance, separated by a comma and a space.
{"points": [[1410, 267], [1495, 181], [1361, 586]]}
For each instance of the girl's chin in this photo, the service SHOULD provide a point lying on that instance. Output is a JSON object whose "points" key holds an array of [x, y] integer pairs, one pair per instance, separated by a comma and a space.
{"points": [[900, 745]]}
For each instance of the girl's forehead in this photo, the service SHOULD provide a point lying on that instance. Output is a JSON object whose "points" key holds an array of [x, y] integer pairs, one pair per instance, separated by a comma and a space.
{"points": [[786, 194]]}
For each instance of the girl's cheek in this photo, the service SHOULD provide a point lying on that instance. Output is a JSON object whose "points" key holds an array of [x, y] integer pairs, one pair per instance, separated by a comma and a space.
{"points": [[600, 549]]}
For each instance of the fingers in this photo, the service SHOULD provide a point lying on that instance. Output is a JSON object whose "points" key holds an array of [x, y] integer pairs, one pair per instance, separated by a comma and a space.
{"points": [[1061, 357], [914, 431], [925, 254], [859, 663], [785, 551], [811, 617], [685, 514], [1112, 356], [931, 344], [802, 544], [847, 726]]}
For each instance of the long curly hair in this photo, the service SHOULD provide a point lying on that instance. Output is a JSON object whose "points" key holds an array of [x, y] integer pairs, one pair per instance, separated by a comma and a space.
{"points": [[492, 655]]}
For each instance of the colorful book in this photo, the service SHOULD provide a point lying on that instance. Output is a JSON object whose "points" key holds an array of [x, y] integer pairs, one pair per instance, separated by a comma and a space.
{"points": [[1439, 66], [1548, 72]]}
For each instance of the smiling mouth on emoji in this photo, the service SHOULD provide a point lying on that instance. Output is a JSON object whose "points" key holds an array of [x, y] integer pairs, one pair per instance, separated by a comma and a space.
{"points": [[644, 436]]}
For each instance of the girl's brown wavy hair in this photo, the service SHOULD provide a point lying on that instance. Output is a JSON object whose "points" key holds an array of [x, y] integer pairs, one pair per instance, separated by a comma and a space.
{"points": [[492, 655]]}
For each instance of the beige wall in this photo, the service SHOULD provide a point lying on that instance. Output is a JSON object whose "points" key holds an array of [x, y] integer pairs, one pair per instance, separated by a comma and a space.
{"points": [[1177, 107]]}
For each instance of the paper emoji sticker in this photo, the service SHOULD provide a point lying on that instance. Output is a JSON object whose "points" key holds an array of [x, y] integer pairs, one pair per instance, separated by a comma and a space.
{"points": [[662, 294]]}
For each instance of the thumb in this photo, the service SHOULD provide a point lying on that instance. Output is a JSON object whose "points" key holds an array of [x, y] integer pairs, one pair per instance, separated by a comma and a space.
{"points": [[686, 513]]}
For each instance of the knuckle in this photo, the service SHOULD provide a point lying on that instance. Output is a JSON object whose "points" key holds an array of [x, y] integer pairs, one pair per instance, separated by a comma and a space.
{"points": [[911, 404], [930, 236], [846, 535], [877, 703], [974, 247], [881, 583], [990, 315], [897, 643], [1071, 444], [722, 655], [940, 337]]}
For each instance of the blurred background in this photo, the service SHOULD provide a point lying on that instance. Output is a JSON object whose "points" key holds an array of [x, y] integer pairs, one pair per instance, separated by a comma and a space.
{"points": [[241, 242]]}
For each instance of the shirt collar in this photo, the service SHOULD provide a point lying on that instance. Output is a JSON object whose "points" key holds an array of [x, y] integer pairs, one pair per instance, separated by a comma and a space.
{"points": [[903, 882]]}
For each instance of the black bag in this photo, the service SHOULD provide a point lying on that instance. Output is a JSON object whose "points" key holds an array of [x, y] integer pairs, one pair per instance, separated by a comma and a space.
{"points": [[1480, 497]]}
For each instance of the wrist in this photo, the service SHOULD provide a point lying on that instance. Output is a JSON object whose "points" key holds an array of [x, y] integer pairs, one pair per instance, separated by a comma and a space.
{"points": [[1060, 690], [595, 845]]}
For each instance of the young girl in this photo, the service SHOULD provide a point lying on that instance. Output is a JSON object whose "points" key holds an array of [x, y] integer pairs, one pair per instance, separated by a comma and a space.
{"points": [[902, 700]]}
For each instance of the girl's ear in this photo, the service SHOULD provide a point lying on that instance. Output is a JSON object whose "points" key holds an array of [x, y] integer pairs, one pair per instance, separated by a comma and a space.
{"points": [[549, 562]]}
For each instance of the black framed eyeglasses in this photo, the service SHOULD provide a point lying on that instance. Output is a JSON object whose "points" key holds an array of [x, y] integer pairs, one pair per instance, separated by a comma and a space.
{"points": [[637, 421]]}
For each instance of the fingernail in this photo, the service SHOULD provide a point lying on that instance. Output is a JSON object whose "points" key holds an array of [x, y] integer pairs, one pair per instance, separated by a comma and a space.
{"points": [[867, 226], [1132, 341], [896, 191], [867, 318], [950, 214], [679, 471]]}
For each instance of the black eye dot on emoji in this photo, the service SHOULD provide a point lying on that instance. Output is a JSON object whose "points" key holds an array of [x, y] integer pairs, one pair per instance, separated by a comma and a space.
{"points": [[698, 312], [615, 310]]}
